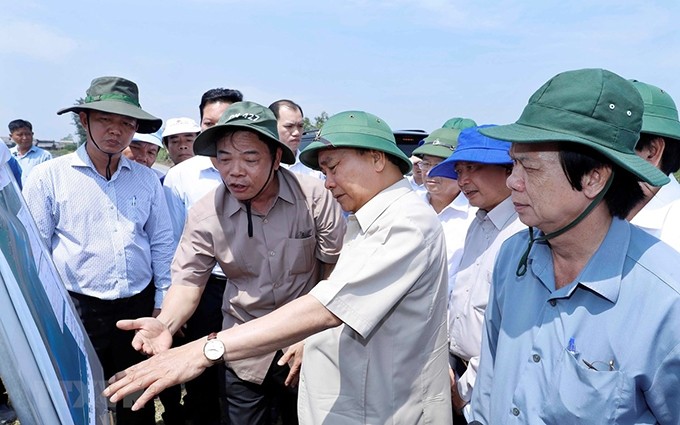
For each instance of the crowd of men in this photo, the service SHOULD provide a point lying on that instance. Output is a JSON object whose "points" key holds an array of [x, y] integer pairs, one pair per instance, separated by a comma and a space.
{"points": [[520, 273]]}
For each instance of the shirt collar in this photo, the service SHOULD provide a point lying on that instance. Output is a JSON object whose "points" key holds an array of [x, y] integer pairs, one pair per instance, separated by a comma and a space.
{"points": [[502, 214], [370, 212], [653, 215], [82, 159], [602, 273]]}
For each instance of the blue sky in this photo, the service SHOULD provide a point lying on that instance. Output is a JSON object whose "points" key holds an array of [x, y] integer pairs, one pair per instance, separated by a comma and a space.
{"points": [[415, 63]]}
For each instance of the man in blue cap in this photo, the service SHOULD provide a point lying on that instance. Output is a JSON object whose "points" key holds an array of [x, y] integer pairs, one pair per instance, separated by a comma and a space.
{"points": [[580, 325], [480, 165]]}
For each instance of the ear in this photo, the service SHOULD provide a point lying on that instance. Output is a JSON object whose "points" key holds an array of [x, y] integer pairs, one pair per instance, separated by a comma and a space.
{"points": [[277, 158], [83, 119], [595, 180], [653, 152], [379, 160]]}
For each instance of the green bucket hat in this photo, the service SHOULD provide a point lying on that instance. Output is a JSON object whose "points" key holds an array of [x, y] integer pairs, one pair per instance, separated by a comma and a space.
{"points": [[243, 116], [440, 143], [116, 95], [593, 107], [660, 116], [459, 123], [355, 129]]}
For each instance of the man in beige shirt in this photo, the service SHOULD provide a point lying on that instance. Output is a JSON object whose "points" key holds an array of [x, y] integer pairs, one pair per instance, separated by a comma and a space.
{"points": [[274, 234], [376, 328]]}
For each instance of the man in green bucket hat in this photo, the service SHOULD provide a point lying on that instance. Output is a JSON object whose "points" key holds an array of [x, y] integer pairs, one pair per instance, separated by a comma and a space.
{"points": [[659, 212], [104, 219], [274, 234], [579, 324], [375, 329]]}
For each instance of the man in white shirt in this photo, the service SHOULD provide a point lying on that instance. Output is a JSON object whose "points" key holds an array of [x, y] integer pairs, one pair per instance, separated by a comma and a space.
{"points": [[443, 194], [659, 144], [289, 118], [480, 165]]}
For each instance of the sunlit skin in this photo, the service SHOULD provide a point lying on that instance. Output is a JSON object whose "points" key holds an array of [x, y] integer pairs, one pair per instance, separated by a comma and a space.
{"points": [[483, 184], [348, 176], [290, 127], [245, 163], [112, 132], [23, 137], [541, 193], [441, 190], [142, 152], [180, 146], [212, 112]]}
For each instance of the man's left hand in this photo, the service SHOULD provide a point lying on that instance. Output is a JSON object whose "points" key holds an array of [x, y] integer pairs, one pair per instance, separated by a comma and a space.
{"points": [[161, 371]]}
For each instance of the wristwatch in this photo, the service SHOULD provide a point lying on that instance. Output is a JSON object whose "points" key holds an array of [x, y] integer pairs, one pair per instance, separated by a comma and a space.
{"points": [[213, 349]]}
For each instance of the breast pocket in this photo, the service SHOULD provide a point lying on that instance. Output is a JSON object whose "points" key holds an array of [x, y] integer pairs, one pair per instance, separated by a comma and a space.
{"points": [[577, 391], [299, 255]]}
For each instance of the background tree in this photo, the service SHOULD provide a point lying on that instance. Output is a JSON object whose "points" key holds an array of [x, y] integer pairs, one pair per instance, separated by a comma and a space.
{"points": [[80, 131], [319, 121]]}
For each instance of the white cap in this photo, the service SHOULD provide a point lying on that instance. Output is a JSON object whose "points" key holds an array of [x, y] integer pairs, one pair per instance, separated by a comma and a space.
{"points": [[148, 138], [179, 126]]}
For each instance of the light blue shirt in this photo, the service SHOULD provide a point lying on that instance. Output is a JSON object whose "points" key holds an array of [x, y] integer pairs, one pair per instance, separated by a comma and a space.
{"points": [[108, 239], [622, 312], [30, 159]]}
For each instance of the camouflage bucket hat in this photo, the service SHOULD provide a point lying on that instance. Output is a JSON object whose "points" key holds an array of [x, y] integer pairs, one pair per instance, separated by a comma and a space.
{"points": [[116, 95], [592, 107], [243, 116], [661, 115], [355, 129], [440, 143]]}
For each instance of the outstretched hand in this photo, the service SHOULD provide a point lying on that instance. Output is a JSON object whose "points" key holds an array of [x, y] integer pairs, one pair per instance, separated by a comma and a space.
{"points": [[151, 335], [171, 367]]}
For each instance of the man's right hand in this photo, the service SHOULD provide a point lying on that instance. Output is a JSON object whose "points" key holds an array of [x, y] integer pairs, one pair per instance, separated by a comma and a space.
{"points": [[151, 335]]}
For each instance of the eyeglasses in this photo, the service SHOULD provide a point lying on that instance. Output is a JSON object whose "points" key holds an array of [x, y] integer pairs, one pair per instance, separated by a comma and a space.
{"points": [[426, 165]]}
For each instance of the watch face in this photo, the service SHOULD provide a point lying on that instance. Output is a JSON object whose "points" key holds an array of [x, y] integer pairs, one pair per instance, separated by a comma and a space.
{"points": [[214, 350]]}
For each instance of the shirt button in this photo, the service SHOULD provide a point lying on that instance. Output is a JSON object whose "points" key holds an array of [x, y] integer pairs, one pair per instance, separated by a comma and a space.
{"points": [[265, 221], [536, 358], [553, 302], [515, 411], [271, 253]]}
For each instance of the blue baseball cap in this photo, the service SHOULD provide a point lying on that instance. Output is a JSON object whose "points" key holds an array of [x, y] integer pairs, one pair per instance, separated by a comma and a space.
{"points": [[473, 146]]}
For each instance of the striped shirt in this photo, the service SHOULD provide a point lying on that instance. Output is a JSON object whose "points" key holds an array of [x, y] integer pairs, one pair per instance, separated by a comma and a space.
{"points": [[108, 239]]}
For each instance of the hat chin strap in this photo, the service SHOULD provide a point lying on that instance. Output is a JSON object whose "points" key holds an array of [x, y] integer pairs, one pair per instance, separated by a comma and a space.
{"points": [[110, 155], [248, 203], [522, 266]]}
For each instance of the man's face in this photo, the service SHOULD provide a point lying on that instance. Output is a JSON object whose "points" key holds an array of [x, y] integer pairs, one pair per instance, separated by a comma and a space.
{"points": [[180, 146], [142, 152], [244, 162], [212, 113], [437, 186], [290, 127], [541, 193], [483, 184], [23, 137], [347, 171], [112, 132]]}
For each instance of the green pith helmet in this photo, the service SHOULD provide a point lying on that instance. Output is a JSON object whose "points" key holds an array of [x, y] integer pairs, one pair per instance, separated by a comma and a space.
{"points": [[355, 129], [243, 116], [116, 95], [660, 116], [440, 143], [459, 123]]}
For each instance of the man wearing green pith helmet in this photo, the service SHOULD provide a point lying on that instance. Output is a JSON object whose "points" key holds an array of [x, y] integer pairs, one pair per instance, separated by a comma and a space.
{"points": [[375, 329], [580, 326]]}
